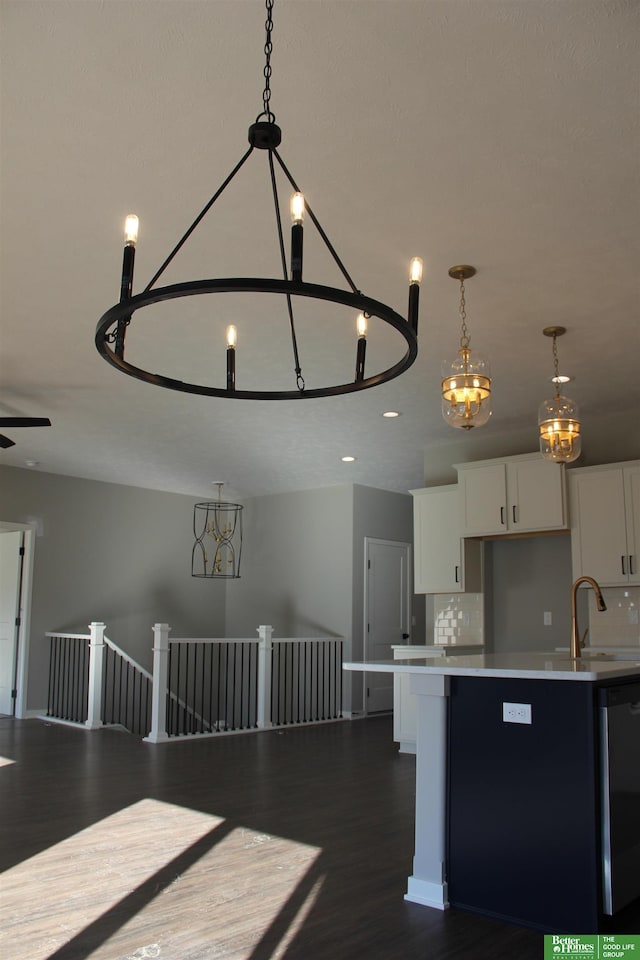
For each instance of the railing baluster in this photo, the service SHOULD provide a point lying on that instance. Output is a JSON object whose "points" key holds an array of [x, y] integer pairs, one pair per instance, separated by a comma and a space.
{"points": [[201, 711], [194, 723], [274, 687], [169, 700], [210, 687]]}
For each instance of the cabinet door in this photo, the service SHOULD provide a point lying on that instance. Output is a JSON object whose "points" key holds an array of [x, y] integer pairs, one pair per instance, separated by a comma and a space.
{"points": [[519, 495], [484, 499], [535, 490], [598, 526], [437, 547], [632, 513]]}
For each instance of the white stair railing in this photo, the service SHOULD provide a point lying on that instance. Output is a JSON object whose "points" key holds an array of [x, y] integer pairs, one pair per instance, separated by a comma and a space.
{"points": [[199, 686]]}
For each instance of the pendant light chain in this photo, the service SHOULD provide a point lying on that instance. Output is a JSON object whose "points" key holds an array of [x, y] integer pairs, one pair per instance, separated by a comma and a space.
{"points": [[555, 365], [268, 50], [465, 339]]}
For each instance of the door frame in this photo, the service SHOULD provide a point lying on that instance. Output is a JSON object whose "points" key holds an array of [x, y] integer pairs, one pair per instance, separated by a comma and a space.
{"points": [[24, 613], [368, 541]]}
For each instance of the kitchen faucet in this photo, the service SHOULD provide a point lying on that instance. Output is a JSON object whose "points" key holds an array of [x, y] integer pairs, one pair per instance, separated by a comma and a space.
{"points": [[575, 635]]}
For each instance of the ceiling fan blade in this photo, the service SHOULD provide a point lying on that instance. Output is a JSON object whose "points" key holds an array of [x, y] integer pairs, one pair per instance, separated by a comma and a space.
{"points": [[5, 442], [25, 421]]}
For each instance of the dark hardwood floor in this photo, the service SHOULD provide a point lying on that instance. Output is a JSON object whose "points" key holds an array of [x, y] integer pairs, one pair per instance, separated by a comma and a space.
{"points": [[292, 845]]}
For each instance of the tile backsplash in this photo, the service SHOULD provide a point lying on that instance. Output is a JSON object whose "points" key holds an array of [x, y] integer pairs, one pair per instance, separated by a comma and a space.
{"points": [[458, 619], [618, 625]]}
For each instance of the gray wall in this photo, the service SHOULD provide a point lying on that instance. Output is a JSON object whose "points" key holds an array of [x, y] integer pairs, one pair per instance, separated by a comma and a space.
{"points": [[296, 565], [381, 515], [108, 552], [384, 516], [122, 555], [523, 579], [303, 565]]}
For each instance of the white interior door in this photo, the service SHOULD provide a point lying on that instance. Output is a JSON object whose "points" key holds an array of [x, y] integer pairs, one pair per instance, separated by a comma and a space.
{"points": [[10, 572], [387, 613]]}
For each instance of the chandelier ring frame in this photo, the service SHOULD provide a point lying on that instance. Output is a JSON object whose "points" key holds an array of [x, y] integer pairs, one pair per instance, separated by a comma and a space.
{"points": [[123, 312]]}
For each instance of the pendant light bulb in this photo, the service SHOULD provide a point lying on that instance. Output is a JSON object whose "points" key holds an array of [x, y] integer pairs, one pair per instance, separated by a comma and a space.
{"points": [[559, 417], [466, 382], [232, 336], [361, 325]]}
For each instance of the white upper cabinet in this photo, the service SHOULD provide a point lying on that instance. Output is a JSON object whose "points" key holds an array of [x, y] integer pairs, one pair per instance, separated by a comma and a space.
{"points": [[605, 522], [515, 495], [443, 562]]}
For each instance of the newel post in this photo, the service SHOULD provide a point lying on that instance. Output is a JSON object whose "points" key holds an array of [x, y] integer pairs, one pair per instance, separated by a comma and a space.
{"points": [[96, 666], [265, 647], [160, 681]]}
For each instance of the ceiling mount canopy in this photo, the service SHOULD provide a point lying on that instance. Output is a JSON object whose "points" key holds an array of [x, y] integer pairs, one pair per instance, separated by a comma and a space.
{"points": [[117, 323]]}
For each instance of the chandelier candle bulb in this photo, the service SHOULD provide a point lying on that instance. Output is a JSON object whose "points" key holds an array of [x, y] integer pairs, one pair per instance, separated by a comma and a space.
{"points": [[297, 216], [129, 254], [131, 229], [415, 279], [297, 207], [126, 282], [415, 270], [232, 339], [361, 326]]}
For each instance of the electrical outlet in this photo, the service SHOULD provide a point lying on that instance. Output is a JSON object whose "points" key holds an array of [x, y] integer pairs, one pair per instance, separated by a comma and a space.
{"points": [[547, 618], [516, 712]]}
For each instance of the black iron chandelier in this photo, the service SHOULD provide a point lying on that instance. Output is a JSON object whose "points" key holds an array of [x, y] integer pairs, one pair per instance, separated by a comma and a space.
{"points": [[264, 135]]}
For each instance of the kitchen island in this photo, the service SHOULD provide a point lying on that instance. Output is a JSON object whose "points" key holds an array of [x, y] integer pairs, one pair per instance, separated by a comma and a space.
{"points": [[509, 786]]}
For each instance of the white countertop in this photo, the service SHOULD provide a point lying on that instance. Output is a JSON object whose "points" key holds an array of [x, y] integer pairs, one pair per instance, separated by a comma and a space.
{"points": [[441, 648], [531, 666]]}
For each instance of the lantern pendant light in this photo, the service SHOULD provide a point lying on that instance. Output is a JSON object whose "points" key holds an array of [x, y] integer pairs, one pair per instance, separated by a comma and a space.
{"points": [[217, 529], [558, 418], [466, 382]]}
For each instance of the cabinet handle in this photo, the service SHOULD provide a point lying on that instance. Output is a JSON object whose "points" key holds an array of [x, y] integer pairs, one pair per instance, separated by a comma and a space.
{"points": [[502, 515], [514, 514], [624, 572], [631, 570], [456, 571]]}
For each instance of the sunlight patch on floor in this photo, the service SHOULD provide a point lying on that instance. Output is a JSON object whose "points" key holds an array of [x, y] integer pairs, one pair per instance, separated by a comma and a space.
{"points": [[130, 886]]}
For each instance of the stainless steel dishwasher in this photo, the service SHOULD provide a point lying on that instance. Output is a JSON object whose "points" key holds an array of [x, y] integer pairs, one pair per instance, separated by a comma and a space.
{"points": [[619, 710]]}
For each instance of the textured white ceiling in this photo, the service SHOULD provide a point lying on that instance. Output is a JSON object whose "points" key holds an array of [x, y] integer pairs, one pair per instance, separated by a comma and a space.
{"points": [[501, 133]]}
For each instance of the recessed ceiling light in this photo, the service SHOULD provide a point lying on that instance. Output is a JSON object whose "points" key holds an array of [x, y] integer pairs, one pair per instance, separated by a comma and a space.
{"points": [[391, 413], [347, 459], [31, 463]]}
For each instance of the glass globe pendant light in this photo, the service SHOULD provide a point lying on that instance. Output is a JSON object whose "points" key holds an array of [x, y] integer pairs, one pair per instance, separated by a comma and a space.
{"points": [[558, 418], [466, 382]]}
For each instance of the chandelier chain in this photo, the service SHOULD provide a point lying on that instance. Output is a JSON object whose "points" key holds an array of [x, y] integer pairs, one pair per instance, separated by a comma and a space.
{"points": [[268, 49], [465, 339]]}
